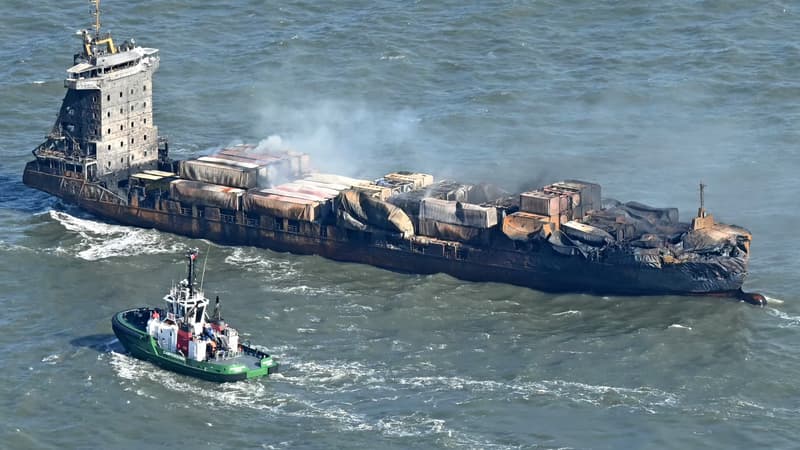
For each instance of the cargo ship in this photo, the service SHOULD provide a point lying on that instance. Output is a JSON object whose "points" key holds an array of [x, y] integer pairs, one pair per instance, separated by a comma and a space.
{"points": [[105, 155]]}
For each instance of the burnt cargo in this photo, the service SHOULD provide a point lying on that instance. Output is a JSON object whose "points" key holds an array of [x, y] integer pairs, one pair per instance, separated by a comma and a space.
{"points": [[542, 203], [238, 176], [586, 233], [358, 210], [458, 213], [336, 179], [454, 232], [523, 226], [258, 202], [652, 253], [205, 194], [418, 180]]}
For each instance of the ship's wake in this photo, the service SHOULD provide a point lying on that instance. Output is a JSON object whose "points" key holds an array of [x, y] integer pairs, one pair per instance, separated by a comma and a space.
{"points": [[347, 394], [99, 240]]}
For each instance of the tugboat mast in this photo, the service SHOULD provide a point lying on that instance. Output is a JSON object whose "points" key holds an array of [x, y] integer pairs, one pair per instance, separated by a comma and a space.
{"points": [[192, 254]]}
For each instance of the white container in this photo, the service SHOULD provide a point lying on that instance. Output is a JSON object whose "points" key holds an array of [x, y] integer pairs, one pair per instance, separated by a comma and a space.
{"points": [[168, 337], [197, 350], [152, 327], [233, 339]]}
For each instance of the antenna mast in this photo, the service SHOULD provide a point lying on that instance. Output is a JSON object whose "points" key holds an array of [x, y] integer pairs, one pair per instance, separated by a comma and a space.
{"points": [[702, 211], [96, 15]]}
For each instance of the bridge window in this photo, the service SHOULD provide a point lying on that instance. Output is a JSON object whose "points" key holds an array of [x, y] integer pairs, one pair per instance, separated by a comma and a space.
{"points": [[145, 137], [145, 120], [109, 146], [120, 95], [145, 88], [121, 144], [131, 124], [121, 127], [109, 131], [109, 114], [131, 140], [108, 97], [131, 107]]}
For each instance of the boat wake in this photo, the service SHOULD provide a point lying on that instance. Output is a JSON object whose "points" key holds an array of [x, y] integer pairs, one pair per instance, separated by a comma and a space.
{"points": [[99, 240], [788, 319], [285, 277]]}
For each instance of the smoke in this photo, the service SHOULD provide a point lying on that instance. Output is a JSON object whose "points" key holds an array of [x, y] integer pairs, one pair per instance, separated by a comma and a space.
{"points": [[342, 137]]}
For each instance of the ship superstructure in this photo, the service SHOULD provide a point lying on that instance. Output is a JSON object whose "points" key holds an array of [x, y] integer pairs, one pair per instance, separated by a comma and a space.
{"points": [[104, 155], [105, 129]]}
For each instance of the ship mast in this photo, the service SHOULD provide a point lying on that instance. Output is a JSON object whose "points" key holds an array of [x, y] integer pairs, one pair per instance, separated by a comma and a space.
{"points": [[96, 15], [702, 211]]}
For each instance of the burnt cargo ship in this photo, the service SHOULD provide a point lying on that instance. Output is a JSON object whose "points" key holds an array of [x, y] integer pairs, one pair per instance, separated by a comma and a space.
{"points": [[104, 155]]}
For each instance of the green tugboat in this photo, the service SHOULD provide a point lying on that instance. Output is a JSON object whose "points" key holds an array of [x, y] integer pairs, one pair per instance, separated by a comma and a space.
{"points": [[183, 338]]}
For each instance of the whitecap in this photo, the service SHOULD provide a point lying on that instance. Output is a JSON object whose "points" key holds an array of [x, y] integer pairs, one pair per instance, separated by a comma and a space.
{"points": [[571, 312], [51, 359], [677, 325]]}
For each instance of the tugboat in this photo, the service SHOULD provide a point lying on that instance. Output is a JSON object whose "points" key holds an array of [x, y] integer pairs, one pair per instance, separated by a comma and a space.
{"points": [[182, 337]]}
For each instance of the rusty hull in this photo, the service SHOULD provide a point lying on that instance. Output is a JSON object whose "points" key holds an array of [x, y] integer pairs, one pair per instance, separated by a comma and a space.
{"points": [[537, 267]]}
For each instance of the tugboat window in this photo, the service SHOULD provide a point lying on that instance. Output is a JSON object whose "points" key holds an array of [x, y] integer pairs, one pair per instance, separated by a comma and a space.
{"points": [[278, 224]]}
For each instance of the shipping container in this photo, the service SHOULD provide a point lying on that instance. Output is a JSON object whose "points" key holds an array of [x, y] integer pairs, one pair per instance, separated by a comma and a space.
{"points": [[222, 174], [259, 202], [521, 226], [199, 193], [419, 180], [335, 179], [538, 202], [458, 213], [453, 232]]}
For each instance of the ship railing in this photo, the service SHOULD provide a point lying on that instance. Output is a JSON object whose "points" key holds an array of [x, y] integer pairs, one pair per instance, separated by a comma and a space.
{"points": [[226, 354]]}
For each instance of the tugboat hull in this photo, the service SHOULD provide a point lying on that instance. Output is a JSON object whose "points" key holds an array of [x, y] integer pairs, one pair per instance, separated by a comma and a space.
{"points": [[130, 328]]}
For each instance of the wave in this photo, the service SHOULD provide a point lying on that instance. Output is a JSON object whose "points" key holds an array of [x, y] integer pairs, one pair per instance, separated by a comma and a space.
{"points": [[790, 320], [100, 240]]}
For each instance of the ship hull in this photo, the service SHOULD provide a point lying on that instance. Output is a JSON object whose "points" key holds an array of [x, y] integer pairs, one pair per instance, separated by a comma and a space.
{"points": [[128, 327], [542, 269]]}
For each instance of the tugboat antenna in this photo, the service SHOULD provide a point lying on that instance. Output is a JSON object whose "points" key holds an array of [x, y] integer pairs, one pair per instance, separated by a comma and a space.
{"points": [[205, 262]]}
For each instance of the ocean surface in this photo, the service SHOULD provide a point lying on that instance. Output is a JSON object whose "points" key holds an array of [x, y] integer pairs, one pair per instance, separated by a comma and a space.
{"points": [[646, 98]]}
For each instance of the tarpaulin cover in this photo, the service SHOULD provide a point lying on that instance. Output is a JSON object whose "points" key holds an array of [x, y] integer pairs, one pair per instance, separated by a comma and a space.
{"points": [[261, 203], [442, 190], [452, 232], [222, 174], [359, 211], [636, 219], [336, 179], [586, 233], [205, 194], [458, 213]]}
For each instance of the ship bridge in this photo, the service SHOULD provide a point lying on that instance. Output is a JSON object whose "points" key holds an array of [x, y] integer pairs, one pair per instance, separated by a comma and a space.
{"points": [[104, 129]]}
